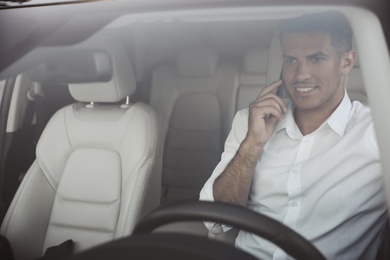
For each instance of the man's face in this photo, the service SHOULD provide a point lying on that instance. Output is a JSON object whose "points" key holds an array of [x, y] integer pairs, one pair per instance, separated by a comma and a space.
{"points": [[313, 73]]}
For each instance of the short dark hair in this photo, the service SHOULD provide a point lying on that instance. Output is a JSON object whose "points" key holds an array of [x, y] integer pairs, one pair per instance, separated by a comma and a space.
{"points": [[332, 22]]}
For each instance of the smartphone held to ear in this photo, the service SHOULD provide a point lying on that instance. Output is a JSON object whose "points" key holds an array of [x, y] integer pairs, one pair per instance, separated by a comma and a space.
{"points": [[279, 90]]}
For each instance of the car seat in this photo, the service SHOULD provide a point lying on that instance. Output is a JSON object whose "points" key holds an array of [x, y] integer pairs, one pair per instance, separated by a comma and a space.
{"points": [[97, 167]]}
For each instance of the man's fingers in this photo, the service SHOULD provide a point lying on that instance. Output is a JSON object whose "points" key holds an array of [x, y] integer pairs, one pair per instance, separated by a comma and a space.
{"points": [[271, 87], [271, 111], [266, 111], [271, 97]]}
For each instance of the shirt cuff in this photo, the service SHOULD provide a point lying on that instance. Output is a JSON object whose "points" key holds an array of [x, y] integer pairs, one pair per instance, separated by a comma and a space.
{"points": [[206, 194]]}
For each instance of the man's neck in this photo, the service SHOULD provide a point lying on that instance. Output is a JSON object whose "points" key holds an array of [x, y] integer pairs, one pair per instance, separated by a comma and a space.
{"points": [[310, 120]]}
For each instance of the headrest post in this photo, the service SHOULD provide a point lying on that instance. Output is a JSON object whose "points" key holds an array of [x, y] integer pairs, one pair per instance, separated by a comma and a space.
{"points": [[127, 103], [90, 105]]}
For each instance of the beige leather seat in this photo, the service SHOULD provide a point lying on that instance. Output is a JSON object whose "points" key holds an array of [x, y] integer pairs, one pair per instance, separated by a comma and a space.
{"points": [[97, 168], [355, 84], [196, 99], [253, 76]]}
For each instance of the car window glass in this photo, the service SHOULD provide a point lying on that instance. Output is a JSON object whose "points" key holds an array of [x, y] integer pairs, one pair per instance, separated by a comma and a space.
{"points": [[2, 85], [167, 51]]}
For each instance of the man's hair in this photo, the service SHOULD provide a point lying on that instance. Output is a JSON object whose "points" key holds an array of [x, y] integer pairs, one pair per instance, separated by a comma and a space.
{"points": [[331, 22]]}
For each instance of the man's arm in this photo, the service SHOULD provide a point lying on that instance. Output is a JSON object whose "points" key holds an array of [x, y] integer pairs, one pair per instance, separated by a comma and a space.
{"points": [[233, 185]]}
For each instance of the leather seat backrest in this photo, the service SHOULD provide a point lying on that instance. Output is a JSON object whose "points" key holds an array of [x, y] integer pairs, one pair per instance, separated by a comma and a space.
{"points": [[253, 76], [275, 59], [196, 101], [97, 171], [355, 84]]}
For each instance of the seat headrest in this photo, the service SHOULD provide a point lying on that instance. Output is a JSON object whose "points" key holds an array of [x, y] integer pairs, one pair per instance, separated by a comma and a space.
{"points": [[275, 59], [354, 80], [254, 67], [197, 62], [275, 62], [68, 65], [122, 83], [255, 61]]}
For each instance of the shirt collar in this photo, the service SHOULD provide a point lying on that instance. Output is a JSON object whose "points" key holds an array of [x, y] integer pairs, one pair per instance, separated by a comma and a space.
{"points": [[337, 121], [339, 118]]}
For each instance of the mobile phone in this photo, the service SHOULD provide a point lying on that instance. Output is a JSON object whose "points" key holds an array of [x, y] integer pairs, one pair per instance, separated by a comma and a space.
{"points": [[280, 89]]}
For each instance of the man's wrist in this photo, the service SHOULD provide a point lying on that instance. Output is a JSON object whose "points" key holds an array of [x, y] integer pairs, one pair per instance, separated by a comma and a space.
{"points": [[250, 151]]}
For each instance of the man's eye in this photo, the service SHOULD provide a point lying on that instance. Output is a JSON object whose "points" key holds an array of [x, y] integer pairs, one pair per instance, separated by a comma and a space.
{"points": [[317, 59], [289, 60]]}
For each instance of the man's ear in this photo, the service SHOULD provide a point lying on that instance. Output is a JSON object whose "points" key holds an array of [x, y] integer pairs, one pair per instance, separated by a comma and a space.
{"points": [[347, 61]]}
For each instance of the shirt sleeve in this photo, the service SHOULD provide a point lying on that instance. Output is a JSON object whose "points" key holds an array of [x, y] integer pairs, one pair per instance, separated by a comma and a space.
{"points": [[233, 141]]}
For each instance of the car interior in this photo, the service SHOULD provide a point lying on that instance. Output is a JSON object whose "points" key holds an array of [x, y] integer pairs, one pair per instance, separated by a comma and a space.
{"points": [[134, 116]]}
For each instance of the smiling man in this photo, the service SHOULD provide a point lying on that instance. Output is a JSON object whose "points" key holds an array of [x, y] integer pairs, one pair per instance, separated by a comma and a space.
{"points": [[312, 161]]}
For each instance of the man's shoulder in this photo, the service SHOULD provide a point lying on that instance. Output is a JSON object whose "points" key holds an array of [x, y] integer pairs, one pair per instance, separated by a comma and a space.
{"points": [[240, 122], [360, 110], [362, 122], [360, 117], [242, 114], [244, 111]]}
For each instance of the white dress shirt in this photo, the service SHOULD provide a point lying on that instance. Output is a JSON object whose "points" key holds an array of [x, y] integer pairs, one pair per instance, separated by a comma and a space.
{"points": [[326, 185]]}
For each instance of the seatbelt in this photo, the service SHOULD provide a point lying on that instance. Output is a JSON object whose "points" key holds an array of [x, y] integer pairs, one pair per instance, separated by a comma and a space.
{"points": [[36, 96]]}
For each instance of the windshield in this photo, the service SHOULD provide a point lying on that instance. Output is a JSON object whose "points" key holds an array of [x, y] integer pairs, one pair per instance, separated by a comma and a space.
{"points": [[219, 79]]}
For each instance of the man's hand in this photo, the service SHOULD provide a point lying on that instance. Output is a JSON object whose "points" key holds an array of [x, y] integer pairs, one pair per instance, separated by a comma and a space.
{"points": [[264, 112], [233, 185]]}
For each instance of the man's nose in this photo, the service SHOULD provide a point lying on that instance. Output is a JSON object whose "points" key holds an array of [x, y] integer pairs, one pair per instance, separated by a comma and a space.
{"points": [[302, 72]]}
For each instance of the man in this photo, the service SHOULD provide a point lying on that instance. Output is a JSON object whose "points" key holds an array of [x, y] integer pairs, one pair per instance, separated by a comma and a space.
{"points": [[311, 162]]}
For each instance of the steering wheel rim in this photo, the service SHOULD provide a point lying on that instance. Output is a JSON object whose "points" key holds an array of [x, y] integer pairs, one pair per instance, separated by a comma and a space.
{"points": [[290, 241]]}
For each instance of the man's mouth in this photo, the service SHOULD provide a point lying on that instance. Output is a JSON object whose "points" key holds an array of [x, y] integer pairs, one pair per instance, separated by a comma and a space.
{"points": [[305, 89]]}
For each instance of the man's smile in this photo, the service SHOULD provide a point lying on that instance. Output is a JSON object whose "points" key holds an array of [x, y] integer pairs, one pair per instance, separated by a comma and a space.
{"points": [[304, 89]]}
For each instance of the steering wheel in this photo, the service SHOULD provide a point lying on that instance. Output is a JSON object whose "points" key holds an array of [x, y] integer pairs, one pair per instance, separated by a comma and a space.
{"points": [[143, 244]]}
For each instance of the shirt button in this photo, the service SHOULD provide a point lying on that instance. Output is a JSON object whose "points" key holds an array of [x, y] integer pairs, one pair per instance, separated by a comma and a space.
{"points": [[295, 171], [293, 203]]}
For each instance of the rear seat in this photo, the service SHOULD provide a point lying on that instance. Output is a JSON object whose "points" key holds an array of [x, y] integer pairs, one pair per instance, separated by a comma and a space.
{"points": [[253, 76], [196, 99]]}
